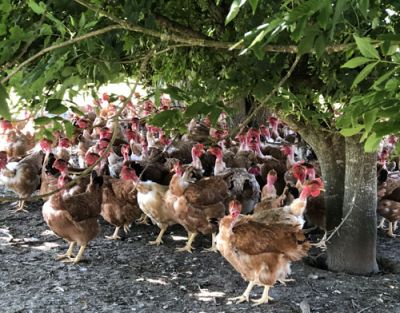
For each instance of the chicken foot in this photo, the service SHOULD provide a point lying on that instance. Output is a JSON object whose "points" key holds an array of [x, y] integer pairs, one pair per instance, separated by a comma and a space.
{"points": [[68, 254], [114, 235], [78, 257], [213, 247], [285, 280], [20, 206], [245, 296], [390, 230], [188, 246], [143, 220], [264, 298], [322, 243], [382, 223], [159, 241]]}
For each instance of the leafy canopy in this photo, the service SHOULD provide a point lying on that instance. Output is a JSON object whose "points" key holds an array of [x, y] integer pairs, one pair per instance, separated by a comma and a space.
{"points": [[211, 52]]}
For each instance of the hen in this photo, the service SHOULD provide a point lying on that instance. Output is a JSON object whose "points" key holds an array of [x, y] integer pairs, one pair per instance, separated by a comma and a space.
{"points": [[23, 177], [150, 197], [74, 216], [260, 252], [197, 205], [119, 206]]}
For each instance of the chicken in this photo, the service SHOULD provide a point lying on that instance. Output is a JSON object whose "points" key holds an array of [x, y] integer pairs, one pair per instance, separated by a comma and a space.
{"points": [[119, 206], [23, 177], [260, 252], [197, 205], [151, 200], [269, 190], [74, 216], [242, 184], [389, 210]]}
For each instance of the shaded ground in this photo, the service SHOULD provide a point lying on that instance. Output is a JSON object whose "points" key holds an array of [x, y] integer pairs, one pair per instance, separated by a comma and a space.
{"points": [[131, 276]]}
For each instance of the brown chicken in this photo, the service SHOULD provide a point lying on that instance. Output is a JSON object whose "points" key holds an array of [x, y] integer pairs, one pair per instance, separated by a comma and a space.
{"points": [[198, 205], [119, 205], [23, 177], [74, 216], [260, 252], [389, 210]]}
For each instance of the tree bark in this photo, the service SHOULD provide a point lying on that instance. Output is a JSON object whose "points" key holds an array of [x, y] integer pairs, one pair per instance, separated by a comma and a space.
{"points": [[353, 248]]}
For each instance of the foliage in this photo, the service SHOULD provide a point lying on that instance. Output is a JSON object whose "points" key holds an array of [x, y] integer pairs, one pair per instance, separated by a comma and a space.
{"points": [[347, 78]]}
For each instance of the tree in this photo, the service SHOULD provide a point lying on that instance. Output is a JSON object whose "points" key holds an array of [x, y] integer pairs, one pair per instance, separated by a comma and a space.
{"points": [[299, 58]]}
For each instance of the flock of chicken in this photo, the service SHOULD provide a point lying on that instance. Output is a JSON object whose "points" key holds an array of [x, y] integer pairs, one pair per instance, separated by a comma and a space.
{"points": [[250, 194]]}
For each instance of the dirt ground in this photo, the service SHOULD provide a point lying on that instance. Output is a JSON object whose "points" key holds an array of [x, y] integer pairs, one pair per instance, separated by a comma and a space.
{"points": [[131, 276]]}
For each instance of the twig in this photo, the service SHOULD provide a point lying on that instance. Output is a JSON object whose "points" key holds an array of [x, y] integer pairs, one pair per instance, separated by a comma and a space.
{"points": [[58, 46], [269, 96], [367, 308]]}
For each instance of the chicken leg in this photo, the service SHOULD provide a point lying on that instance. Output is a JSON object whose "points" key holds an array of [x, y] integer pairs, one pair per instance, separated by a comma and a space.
{"points": [[115, 235], [322, 243], [264, 298], [143, 220], [390, 230], [213, 247], [382, 223], [245, 296], [68, 254], [159, 241], [78, 256], [20, 206], [188, 246]]}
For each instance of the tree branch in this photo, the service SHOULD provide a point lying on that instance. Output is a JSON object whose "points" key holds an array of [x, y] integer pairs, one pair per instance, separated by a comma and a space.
{"points": [[58, 46], [178, 28], [197, 42], [259, 107]]}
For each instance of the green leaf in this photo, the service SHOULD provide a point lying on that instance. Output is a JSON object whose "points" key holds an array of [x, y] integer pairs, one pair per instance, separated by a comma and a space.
{"points": [[320, 45], [75, 110], [4, 109], [253, 4], [339, 8], [234, 10], [384, 77], [37, 8], [363, 74], [324, 15], [348, 132], [259, 37], [42, 120], [82, 21], [307, 43], [54, 106], [364, 6], [69, 128], [355, 62], [307, 8], [369, 119], [372, 143], [366, 48]]}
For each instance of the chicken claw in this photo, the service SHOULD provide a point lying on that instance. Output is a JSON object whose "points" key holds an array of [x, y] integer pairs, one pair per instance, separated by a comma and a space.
{"points": [[20, 207], [185, 248], [115, 235], [158, 240], [213, 247], [264, 298], [240, 299], [188, 247], [285, 280], [245, 296], [143, 220], [78, 257], [68, 254]]}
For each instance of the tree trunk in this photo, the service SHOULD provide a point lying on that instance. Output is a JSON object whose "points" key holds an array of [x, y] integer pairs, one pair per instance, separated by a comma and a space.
{"points": [[353, 248], [331, 157]]}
